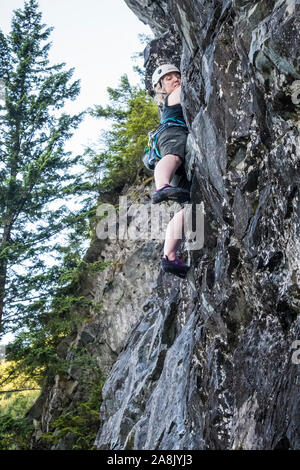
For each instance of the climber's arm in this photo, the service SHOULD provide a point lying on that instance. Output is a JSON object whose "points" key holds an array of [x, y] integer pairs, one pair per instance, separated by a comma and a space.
{"points": [[174, 97]]}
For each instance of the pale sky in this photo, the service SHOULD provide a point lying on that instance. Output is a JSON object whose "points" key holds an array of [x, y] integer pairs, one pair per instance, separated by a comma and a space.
{"points": [[97, 38]]}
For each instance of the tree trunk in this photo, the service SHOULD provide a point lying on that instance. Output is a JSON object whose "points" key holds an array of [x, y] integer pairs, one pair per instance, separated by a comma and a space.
{"points": [[3, 268]]}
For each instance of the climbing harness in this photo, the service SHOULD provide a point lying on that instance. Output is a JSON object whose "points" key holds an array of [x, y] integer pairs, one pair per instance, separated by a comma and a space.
{"points": [[152, 156]]}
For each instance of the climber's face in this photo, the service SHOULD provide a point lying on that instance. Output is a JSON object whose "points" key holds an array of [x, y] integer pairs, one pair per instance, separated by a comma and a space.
{"points": [[170, 81]]}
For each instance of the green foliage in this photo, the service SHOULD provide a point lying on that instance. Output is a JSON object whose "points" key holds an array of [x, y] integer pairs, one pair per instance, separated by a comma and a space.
{"points": [[15, 404], [133, 115], [35, 354], [14, 433], [34, 351], [75, 275], [36, 173], [79, 426], [15, 430]]}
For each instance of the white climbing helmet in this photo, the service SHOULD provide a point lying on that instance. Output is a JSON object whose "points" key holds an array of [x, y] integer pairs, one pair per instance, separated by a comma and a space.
{"points": [[161, 71]]}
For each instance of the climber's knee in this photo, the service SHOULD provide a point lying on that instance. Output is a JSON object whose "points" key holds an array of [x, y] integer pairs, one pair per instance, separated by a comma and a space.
{"points": [[177, 160], [176, 157]]}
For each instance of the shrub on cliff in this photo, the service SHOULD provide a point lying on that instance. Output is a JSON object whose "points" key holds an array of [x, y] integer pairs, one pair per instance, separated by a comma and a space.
{"points": [[16, 397], [133, 115]]}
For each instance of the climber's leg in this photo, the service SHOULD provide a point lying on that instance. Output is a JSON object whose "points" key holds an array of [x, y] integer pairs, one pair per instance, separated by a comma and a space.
{"points": [[174, 235], [173, 239], [171, 144], [163, 174], [165, 170]]}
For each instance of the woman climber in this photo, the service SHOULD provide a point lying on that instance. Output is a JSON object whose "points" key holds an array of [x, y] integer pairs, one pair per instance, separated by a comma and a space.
{"points": [[169, 142]]}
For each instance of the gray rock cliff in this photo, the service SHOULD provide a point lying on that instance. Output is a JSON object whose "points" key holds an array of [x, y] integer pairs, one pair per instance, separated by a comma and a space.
{"points": [[211, 362], [210, 366]]}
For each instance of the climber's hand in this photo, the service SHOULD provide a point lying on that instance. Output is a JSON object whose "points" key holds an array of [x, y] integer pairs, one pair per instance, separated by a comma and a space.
{"points": [[174, 97]]}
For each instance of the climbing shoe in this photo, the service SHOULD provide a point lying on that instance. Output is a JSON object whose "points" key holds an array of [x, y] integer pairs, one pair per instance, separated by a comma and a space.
{"points": [[174, 267], [172, 193]]}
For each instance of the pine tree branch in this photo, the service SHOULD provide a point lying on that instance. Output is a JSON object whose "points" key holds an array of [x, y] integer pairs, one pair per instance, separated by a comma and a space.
{"points": [[20, 390]]}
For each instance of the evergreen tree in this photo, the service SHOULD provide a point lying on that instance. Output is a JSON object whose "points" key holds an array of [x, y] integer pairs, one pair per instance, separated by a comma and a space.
{"points": [[1, 91], [133, 114], [35, 170]]}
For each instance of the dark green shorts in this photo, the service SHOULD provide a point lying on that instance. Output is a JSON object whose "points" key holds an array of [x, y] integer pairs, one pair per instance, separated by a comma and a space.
{"points": [[173, 141]]}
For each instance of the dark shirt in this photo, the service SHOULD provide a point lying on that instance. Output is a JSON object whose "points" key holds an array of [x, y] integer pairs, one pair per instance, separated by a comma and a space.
{"points": [[174, 111]]}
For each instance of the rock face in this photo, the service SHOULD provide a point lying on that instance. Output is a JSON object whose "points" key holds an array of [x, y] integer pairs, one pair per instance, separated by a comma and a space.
{"points": [[117, 294], [213, 362]]}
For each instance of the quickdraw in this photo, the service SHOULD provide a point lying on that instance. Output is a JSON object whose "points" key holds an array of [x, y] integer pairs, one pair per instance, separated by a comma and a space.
{"points": [[152, 155]]}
